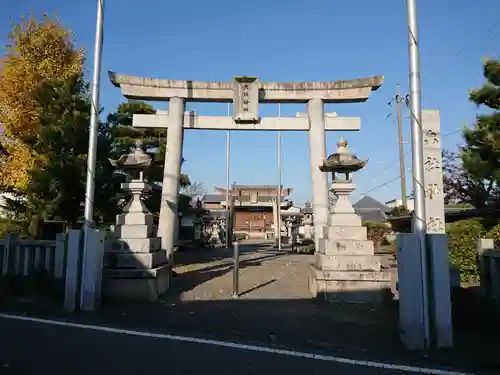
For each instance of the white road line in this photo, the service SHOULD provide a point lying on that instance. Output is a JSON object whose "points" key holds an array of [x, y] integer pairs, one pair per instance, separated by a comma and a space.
{"points": [[227, 344]]}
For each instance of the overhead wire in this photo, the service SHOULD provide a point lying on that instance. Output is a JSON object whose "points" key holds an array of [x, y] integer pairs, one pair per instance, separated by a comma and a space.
{"points": [[381, 185], [455, 61], [395, 162]]}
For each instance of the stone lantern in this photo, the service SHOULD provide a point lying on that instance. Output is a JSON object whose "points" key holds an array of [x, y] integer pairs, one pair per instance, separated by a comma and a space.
{"points": [[307, 220], [347, 268], [342, 164], [136, 266], [134, 165]]}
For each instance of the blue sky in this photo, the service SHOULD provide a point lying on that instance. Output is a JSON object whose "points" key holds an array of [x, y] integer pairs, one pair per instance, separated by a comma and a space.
{"points": [[290, 41]]}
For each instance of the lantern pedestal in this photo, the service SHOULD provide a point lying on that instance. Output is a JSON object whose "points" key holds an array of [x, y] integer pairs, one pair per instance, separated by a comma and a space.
{"points": [[347, 268]]}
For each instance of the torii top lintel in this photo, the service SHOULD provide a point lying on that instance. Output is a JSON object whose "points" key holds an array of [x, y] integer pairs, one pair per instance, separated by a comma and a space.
{"points": [[155, 89]]}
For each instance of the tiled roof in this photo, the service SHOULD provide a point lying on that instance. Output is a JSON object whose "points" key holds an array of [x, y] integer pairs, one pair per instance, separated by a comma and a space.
{"points": [[217, 198], [368, 202], [213, 198], [256, 187]]}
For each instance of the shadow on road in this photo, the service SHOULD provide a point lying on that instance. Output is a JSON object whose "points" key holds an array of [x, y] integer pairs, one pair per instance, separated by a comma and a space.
{"points": [[358, 330]]}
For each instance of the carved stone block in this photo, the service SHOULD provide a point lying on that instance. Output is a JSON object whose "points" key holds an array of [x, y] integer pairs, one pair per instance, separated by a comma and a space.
{"points": [[349, 247], [346, 232], [246, 99], [347, 263]]}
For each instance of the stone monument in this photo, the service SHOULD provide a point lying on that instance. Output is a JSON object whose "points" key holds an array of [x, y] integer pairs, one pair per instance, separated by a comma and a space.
{"points": [[410, 285], [307, 221], [346, 269], [215, 233], [135, 265], [433, 172]]}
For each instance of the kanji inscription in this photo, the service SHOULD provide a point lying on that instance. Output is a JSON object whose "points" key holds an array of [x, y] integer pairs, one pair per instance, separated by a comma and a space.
{"points": [[433, 174], [435, 224], [431, 163], [431, 137], [432, 190], [246, 100]]}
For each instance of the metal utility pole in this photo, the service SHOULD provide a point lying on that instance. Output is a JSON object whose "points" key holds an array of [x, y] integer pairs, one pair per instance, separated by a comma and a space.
{"points": [[236, 269], [278, 208], [228, 153], [402, 171], [419, 218], [94, 125]]}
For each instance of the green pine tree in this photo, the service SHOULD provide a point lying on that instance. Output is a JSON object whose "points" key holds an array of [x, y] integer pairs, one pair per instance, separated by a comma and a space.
{"points": [[481, 155], [123, 137]]}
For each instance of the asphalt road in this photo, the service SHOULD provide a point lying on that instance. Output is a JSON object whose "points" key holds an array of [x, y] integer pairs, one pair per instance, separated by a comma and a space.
{"points": [[28, 347]]}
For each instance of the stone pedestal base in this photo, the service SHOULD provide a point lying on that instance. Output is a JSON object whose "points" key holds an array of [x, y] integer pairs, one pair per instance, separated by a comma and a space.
{"points": [[350, 286], [138, 284]]}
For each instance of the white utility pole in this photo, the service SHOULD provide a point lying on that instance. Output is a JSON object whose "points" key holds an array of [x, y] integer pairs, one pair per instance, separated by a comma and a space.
{"points": [[228, 153], [419, 222], [279, 190], [94, 125]]}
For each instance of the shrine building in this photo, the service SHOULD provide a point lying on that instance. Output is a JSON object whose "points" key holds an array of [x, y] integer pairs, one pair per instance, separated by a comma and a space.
{"points": [[254, 206]]}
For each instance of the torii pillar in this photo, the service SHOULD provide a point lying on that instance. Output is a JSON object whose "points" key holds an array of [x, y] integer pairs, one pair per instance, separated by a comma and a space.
{"points": [[317, 153], [245, 93]]}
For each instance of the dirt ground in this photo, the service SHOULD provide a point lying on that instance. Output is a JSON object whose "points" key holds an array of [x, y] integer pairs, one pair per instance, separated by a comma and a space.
{"points": [[265, 273]]}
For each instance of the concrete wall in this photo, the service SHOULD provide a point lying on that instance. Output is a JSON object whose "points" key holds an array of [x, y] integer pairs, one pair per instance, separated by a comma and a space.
{"points": [[399, 202]]}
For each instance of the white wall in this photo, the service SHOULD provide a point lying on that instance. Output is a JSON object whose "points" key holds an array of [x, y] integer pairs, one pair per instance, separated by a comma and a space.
{"points": [[399, 202]]}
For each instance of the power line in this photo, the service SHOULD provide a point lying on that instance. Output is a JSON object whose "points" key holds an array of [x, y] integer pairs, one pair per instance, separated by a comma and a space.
{"points": [[418, 121], [471, 43], [451, 133], [455, 57], [395, 161], [390, 165], [380, 186]]}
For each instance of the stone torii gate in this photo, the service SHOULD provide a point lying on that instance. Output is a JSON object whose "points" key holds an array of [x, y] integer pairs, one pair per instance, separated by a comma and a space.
{"points": [[245, 93]]}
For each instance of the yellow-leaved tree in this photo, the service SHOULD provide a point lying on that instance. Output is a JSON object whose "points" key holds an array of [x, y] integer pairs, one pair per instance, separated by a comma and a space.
{"points": [[39, 50]]}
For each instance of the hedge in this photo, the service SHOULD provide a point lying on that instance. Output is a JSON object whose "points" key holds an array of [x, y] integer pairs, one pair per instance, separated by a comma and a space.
{"points": [[10, 226], [494, 234], [377, 231], [49, 230], [462, 246]]}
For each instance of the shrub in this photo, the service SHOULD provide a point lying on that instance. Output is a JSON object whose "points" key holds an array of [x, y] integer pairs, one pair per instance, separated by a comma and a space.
{"points": [[377, 232], [11, 226], [462, 243], [494, 234], [48, 232], [308, 248]]}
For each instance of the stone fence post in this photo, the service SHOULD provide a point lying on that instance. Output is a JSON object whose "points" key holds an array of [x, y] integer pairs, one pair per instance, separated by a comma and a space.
{"points": [[489, 268]]}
